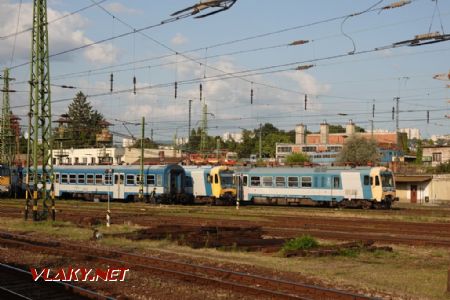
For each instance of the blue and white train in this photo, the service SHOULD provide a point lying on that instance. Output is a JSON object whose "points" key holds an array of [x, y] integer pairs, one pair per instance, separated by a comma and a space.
{"points": [[349, 187], [162, 184]]}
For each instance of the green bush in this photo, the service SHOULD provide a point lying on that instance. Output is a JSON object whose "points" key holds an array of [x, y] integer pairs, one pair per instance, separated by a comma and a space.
{"points": [[297, 158], [301, 243]]}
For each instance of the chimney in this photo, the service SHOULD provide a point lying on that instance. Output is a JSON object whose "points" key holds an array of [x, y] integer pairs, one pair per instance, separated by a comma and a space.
{"points": [[350, 128], [324, 132], [300, 134]]}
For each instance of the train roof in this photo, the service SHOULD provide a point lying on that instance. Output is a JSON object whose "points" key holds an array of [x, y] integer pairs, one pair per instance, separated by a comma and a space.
{"points": [[113, 167], [303, 170]]}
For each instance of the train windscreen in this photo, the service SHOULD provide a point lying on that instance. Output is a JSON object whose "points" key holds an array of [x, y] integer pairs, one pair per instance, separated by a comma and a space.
{"points": [[386, 179], [226, 179]]}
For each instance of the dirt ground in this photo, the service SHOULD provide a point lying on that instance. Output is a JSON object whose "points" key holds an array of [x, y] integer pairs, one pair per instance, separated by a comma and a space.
{"points": [[415, 269]]}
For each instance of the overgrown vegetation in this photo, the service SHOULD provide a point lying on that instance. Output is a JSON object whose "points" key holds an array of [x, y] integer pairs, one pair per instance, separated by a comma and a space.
{"points": [[304, 242], [359, 151], [297, 158]]}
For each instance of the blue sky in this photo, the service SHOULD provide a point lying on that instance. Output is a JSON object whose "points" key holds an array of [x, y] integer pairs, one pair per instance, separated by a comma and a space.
{"points": [[347, 85]]}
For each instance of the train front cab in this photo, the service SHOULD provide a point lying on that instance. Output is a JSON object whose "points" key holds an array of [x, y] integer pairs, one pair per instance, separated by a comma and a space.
{"points": [[383, 187], [222, 186], [5, 179]]}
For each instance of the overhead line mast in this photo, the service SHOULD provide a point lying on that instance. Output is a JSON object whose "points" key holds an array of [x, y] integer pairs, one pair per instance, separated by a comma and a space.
{"points": [[40, 132], [6, 133]]}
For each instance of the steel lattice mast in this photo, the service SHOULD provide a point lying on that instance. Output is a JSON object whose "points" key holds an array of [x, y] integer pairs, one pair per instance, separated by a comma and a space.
{"points": [[39, 150], [6, 134]]}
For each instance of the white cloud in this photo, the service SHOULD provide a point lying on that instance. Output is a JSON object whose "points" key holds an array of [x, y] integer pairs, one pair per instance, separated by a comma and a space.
{"points": [[179, 39], [308, 83], [63, 35], [117, 7]]}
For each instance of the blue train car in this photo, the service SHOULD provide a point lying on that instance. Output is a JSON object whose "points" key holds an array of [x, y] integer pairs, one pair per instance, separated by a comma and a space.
{"points": [[163, 184], [352, 187]]}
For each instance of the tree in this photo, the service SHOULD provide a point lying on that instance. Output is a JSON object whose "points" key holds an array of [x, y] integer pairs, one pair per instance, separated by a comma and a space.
{"points": [[359, 151], [148, 143], [84, 122], [297, 158]]}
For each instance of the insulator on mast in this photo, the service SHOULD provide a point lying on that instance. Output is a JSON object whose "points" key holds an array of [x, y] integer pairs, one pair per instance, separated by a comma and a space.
{"points": [[176, 89], [251, 94], [393, 112], [111, 80], [201, 92], [306, 101], [134, 85]]}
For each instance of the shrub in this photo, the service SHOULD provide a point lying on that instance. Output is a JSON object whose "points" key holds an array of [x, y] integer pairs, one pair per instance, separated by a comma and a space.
{"points": [[301, 243]]}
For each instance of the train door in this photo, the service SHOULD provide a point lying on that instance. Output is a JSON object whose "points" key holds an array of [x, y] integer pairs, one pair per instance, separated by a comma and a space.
{"points": [[413, 193], [119, 186], [176, 181], [335, 185]]}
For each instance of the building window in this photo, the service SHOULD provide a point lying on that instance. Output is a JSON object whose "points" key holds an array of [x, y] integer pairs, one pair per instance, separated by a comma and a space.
{"points": [[77, 160], [150, 179], [84, 160], [292, 181], [437, 156], [309, 149], [130, 179], [285, 149], [280, 181], [92, 160], [334, 148], [307, 181], [255, 181], [267, 181]]}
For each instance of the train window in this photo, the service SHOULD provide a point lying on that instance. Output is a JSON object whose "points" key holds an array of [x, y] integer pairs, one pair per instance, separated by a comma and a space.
{"points": [[130, 179], [63, 178], [280, 181], [72, 178], [108, 178], [216, 178], [267, 181], [138, 179], [150, 179], [366, 180], [81, 178], [245, 181], [98, 179], [159, 180], [371, 180], [90, 178], [188, 181], [255, 181], [56, 177], [306, 181], [377, 180], [292, 181], [336, 182]]}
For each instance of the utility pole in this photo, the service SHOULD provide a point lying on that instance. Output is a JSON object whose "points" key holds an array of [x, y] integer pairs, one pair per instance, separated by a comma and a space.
{"points": [[397, 113], [189, 121], [6, 133], [141, 181], [260, 141], [204, 133], [39, 126]]}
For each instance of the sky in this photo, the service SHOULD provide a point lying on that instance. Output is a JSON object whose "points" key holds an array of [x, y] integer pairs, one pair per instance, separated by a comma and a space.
{"points": [[233, 52]]}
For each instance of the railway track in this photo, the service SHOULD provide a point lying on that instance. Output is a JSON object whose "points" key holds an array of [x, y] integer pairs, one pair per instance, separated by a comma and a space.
{"points": [[254, 285], [16, 283]]}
